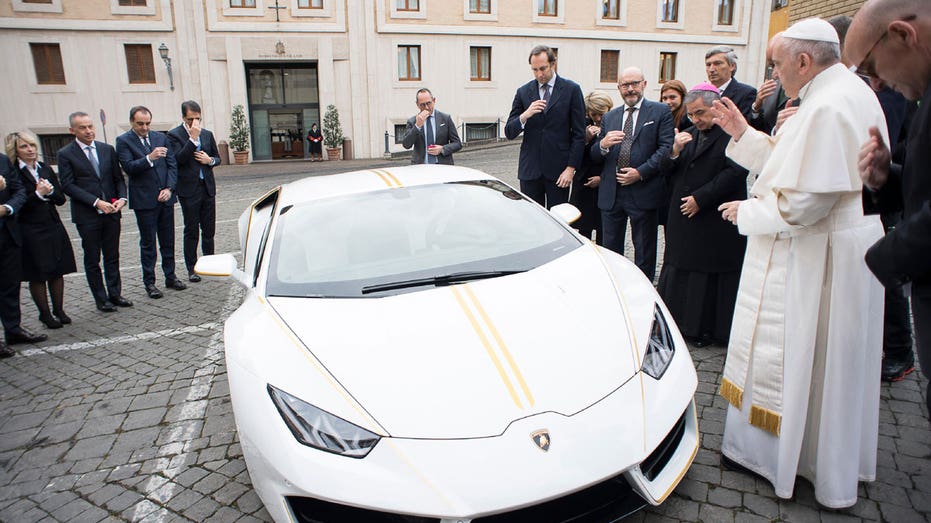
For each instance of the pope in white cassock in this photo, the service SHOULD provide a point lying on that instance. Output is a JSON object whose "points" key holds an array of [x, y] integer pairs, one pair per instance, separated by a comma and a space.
{"points": [[803, 362]]}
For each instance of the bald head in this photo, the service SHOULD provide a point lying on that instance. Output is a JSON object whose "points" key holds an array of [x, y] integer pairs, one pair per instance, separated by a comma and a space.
{"points": [[630, 83], [889, 41]]}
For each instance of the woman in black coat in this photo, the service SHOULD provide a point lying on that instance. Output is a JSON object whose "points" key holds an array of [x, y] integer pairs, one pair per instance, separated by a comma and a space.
{"points": [[584, 193], [315, 139], [46, 248], [704, 253]]}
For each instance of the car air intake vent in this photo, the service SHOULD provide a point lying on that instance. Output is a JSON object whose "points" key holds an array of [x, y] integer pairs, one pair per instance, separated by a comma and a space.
{"points": [[311, 510], [656, 461], [605, 502]]}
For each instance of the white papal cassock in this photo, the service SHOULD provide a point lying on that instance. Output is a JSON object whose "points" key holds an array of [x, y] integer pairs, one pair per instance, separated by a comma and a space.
{"points": [[803, 363]]}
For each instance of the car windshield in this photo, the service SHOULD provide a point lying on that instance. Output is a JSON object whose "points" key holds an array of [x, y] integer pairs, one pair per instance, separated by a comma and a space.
{"points": [[409, 239]]}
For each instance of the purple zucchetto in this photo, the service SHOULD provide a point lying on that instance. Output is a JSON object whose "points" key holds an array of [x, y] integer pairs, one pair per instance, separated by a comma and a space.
{"points": [[706, 86]]}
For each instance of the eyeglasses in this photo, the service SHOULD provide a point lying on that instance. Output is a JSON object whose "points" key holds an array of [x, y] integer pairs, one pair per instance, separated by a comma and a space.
{"points": [[628, 85], [697, 114], [867, 68]]}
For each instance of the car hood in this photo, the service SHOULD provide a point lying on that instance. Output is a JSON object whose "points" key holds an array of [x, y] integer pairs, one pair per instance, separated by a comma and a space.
{"points": [[465, 361]]}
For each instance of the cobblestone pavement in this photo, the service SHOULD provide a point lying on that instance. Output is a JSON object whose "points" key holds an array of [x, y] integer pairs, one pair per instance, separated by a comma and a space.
{"points": [[127, 417]]}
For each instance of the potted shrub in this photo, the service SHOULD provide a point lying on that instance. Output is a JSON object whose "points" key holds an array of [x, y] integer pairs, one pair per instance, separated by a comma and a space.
{"points": [[332, 132], [239, 135]]}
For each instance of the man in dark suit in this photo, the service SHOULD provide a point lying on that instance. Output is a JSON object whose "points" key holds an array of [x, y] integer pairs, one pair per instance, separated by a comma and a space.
{"points": [[638, 135], [550, 113], [721, 66], [887, 42], [770, 98], [704, 254], [431, 133], [196, 153], [153, 175], [12, 198], [90, 175]]}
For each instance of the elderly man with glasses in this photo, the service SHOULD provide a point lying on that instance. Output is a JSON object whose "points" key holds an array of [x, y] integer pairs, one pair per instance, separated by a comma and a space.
{"points": [[803, 359]]}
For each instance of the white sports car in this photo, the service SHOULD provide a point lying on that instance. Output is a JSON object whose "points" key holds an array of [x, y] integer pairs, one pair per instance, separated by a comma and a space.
{"points": [[426, 344]]}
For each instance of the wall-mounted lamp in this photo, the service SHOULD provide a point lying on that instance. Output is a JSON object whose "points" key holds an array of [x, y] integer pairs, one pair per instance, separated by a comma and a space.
{"points": [[163, 52]]}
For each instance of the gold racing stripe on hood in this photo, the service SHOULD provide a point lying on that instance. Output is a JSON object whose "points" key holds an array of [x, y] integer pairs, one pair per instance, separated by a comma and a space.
{"points": [[501, 345], [390, 180], [483, 337]]}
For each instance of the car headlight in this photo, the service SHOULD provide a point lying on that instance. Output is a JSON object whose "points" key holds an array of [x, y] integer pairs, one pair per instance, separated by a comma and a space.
{"points": [[660, 348], [321, 430]]}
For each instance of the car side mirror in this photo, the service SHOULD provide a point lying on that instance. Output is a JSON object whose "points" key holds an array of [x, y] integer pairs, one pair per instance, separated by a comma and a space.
{"points": [[220, 266], [566, 213]]}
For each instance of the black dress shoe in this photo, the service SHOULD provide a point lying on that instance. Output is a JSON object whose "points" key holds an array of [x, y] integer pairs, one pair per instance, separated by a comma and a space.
{"points": [[120, 301], [62, 317], [194, 277], [105, 306], [5, 350], [50, 321], [896, 369], [153, 291], [729, 464], [24, 336], [176, 284]]}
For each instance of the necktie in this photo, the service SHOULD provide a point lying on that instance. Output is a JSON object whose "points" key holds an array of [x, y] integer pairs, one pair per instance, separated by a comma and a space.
{"points": [[623, 155], [430, 139], [148, 146], [201, 169], [546, 92], [93, 159], [702, 136]]}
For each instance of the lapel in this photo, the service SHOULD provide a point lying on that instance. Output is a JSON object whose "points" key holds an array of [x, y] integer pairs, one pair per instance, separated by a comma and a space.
{"points": [[438, 124], [82, 157], [554, 96], [712, 137], [28, 181], [642, 118]]}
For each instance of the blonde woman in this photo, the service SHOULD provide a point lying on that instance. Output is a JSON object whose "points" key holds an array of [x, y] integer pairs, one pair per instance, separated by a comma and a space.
{"points": [[46, 248], [585, 183]]}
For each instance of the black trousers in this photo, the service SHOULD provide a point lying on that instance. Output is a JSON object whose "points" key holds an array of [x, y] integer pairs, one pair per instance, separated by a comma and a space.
{"points": [[10, 282], [156, 223], [200, 224], [921, 312], [545, 192], [643, 224], [102, 236]]}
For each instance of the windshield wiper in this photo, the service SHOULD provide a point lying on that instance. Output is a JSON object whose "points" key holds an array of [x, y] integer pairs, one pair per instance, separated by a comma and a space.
{"points": [[437, 281]]}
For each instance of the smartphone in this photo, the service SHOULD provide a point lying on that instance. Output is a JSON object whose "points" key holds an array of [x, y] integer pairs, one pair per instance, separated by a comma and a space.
{"points": [[769, 73]]}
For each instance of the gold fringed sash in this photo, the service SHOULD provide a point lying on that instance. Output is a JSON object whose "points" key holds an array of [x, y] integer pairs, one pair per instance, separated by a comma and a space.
{"points": [[765, 419], [731, 392]]}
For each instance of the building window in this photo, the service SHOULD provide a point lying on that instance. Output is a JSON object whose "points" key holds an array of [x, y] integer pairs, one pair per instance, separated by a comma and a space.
{"points": [[37, 1], [547, 8], [408, 62], [132, 3], [667, 67], [242, 3], [140, 67], [725, 12], [47, 60], [481, 131], [611, 10], [480, 7], [779, 4], [408, 5], [400, 129], [310, 4], [51, 143], [480, 58], [609, 60], [670, 11]]}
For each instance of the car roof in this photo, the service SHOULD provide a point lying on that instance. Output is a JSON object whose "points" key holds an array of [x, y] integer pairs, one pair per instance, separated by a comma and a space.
{"points": [[376, 179]]}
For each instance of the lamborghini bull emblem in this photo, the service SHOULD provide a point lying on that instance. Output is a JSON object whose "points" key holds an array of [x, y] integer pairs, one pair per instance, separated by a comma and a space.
{"points": [[542, 439]]}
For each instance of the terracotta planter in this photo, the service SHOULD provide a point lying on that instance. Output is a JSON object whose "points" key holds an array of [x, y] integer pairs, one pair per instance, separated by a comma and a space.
{"points": [[241, 157], [332, 153]]}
